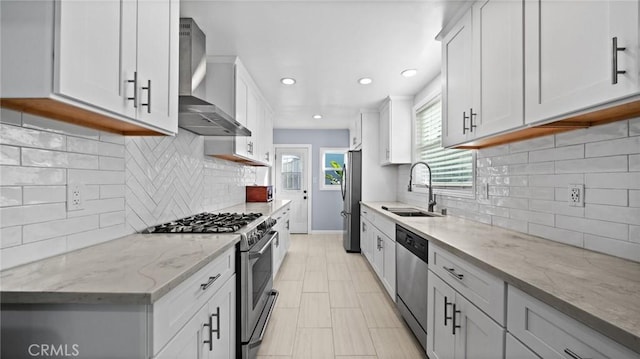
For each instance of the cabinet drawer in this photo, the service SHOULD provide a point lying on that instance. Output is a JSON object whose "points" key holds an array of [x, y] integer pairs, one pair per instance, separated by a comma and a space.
{"points": [[280, 214], [484, 290], [386, 226], [367, 213], [515, 349], [174, 309], [552, 334]]}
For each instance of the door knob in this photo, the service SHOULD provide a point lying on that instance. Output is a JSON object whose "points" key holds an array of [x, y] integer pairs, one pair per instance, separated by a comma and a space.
{"points": [[305, 191], [305, 197]]}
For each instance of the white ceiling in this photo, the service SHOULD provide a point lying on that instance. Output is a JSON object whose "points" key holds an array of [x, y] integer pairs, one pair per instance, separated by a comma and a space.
{"points": [[326, 46]]}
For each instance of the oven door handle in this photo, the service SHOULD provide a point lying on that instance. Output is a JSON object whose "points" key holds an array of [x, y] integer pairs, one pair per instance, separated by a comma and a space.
{"points": [[259, 253], [272, 304]]}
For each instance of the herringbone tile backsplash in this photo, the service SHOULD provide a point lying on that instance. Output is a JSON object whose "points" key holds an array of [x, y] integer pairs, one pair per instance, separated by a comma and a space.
{"points": [[130, 183], [169, 178]]}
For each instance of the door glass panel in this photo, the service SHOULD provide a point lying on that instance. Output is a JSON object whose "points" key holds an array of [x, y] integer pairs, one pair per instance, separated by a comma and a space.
{"points": [[291, 173]]}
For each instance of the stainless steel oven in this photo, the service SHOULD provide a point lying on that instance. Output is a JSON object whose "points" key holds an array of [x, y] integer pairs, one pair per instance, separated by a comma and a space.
{"points": [[254, 269], [257, 295]]}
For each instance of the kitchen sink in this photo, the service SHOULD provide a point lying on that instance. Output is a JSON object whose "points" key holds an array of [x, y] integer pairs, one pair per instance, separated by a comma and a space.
{"points": [[410, 212]]}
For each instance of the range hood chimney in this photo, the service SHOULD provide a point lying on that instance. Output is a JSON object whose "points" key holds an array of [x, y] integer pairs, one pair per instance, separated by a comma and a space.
{"points": [[194, 113]]}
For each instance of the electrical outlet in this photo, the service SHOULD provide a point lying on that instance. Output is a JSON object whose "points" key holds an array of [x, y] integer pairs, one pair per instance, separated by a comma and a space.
{"points": [[75, 197], [484, 191], [576, 195]]}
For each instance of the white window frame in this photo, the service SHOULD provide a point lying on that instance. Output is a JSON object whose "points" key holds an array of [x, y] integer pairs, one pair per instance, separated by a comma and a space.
{"points": [[321, 157], [469, 192]]}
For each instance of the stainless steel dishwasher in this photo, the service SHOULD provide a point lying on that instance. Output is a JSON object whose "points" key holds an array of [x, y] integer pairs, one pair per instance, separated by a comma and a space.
{"points": [[411, 274]]}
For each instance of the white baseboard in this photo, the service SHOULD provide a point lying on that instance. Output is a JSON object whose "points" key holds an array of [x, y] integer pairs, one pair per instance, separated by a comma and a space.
{"points": [[327, 232]]}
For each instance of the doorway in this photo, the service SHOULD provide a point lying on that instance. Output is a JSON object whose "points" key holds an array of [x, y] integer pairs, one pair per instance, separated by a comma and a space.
{"points": [[293, 182]]}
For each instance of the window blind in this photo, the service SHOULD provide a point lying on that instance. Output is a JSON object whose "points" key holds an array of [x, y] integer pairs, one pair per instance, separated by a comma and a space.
{"points": [[451, 168]]}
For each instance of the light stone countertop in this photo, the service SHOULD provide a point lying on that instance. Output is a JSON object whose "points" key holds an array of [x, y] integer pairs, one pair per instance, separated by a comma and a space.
{"points": [[599, 290], [135, 269], [266, 208]]}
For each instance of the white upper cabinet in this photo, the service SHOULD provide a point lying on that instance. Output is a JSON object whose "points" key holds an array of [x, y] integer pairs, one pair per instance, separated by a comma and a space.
{"points": [[111, 65], [230, 87], [483, 72], [570, 57], [456, 92], [97, 53], [395, 130], [497, 66], [158, 62], [355, 134], [266, 136], [242, 110]]}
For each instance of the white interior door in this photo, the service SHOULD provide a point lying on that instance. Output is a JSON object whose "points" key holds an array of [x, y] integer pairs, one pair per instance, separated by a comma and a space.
{"points": [[292, 176]]}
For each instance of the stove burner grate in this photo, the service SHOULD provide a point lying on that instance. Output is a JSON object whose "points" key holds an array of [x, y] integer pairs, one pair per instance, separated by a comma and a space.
{"points": [[206, 223]]}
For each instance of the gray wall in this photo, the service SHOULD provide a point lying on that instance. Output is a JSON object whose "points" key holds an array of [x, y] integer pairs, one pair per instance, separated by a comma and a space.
{"points": [[326, 205]]}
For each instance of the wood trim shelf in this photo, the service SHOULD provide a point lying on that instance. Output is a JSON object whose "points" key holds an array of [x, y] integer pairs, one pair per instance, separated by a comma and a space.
{"points": [[240, 160], [65, 112], [615, 113]]}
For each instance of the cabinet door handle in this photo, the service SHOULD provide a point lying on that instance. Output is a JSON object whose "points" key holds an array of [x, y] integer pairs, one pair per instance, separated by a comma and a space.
{"points": [[453, 328], [364, 227], [210, 325], [614, 60], [287, 225], [446, 304], [148, 89], [135, 89], [471, 116], [464, 122], [204, 286], [572, 354], [217, 330], [452, 271]]}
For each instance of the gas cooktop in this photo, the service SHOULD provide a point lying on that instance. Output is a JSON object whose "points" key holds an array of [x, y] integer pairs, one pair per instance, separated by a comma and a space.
{"points": [[206, 223]]}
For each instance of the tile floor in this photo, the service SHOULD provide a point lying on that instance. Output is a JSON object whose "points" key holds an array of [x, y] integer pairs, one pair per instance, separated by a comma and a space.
{"points": [[331, 305]]}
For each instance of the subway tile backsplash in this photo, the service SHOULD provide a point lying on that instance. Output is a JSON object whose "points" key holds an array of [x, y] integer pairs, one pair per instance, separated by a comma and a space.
{"points": [[528, 188], [129, 183]]}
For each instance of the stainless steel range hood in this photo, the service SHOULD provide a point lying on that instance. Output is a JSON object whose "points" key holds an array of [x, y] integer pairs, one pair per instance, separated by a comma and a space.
{"points": [[194, 113]]}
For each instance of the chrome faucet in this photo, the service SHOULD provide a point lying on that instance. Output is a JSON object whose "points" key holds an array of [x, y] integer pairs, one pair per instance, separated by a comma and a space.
{"points": [[432, 197]]}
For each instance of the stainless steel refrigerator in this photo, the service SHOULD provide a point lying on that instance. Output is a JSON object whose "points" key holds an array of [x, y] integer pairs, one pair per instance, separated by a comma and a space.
{"points": [[351, 187]]}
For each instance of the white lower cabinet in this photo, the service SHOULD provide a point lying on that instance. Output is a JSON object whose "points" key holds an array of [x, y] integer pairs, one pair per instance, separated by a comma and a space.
{"points": [[178, 325], [379, 247], [210, 333], [389, 265], [283, 242], [188, 343], [458, 329], [366, 243], [517, 350], [551, 334]]}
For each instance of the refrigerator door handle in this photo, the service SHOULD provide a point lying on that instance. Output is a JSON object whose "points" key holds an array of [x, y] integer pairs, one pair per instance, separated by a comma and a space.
{"points": [[343, 180]]}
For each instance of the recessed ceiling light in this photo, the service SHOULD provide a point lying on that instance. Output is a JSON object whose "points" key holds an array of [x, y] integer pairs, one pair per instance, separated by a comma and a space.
{"points": [[409, 72], [317, 117], [365, 81], [288, 80]]}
